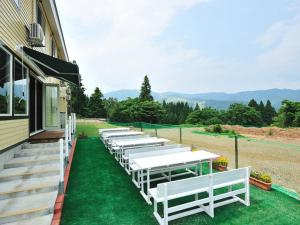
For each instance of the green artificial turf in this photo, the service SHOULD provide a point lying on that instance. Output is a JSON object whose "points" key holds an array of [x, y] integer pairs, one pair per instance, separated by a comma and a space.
{"points": [[90, 129], [101, 192]]}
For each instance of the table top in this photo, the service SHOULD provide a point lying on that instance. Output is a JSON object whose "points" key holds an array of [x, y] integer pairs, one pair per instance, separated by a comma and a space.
{"points": [[120, 134], [113, 129], [174, 159], [140, 141]]}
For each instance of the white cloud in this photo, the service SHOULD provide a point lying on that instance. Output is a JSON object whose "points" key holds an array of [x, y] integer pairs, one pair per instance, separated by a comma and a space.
{"points": [[114, 45]]}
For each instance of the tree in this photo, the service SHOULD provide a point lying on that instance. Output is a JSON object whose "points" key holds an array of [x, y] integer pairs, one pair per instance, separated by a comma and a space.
{"points": [[145, 94], [96, 105], [110, 104], [239, 114], [269, 113], [205, 116], [288, 114], [197, 107], [253, 104], [79, 100]]}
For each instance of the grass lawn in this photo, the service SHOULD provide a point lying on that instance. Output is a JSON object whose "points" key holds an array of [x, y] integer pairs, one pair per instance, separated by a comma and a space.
{"points": [[100, 192]]}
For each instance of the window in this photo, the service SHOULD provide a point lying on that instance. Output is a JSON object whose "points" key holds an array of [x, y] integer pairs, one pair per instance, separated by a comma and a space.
{"points": [[17, 3], [40, 18], [20, 89], [5, 82], [53, 48]]}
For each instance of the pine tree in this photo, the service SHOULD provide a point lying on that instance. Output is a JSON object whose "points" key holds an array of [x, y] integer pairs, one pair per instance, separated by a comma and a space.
{"points": [[79, 100], [253, 104], [197, 107], [269, 113], [96, 105], [145, 94]]}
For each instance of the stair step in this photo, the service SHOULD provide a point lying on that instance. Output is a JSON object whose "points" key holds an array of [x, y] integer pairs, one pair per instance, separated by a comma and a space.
{"points": [[41, 220], [37, 152], [19, 188], [41, 145], [31, 160], [16, 209], [29, 172]]}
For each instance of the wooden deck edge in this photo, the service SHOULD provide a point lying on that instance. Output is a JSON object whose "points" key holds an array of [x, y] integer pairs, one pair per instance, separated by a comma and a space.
{"points": [[60, 198]]}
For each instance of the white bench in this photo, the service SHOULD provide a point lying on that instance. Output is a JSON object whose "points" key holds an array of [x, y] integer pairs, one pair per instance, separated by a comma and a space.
{"points": [[158, 151], [109, 141], [165, 192]]}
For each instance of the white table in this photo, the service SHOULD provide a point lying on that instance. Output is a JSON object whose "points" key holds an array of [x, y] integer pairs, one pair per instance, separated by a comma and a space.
{"points": [[117, 129], [119, 146], [169, 162], [120, 134]]}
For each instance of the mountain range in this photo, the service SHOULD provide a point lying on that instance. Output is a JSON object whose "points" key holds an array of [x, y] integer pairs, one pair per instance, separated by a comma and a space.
{"points": [[218, 100]]}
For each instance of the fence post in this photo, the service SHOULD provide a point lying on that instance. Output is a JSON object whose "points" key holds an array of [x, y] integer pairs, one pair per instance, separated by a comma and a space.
{"points": [[236, 151], [180, 135], [61, 165], [67, 141], [155, 131], [142, 127]]}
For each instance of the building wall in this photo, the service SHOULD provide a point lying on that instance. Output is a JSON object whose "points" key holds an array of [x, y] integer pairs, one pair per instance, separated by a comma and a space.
{"points": [[13, 132], [13, 20]]}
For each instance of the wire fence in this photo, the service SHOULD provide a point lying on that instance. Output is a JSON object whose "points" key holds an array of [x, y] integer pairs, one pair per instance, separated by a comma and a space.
{"points": [[280, 160]]}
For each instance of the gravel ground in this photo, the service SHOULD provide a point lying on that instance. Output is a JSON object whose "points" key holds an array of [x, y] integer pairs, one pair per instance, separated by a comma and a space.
{"points": [[280, 159]]}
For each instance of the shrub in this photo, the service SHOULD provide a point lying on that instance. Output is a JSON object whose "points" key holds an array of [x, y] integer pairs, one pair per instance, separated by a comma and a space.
{"points": [[221, 161], [217, 128], [261, 176]]}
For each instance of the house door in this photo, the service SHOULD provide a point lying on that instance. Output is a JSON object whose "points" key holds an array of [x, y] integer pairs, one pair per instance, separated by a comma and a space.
{"points": [[35, 105], [51, 107]]}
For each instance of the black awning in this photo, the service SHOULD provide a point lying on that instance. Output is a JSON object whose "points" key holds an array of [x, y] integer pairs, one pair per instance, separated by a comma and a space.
{"points": [[54, 67]]}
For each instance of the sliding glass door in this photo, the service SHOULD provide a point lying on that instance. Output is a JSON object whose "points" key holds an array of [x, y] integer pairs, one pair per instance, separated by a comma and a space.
{"points": [[51, 107]]}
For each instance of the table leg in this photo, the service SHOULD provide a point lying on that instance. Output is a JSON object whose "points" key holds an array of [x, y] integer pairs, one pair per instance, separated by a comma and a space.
{"points": [[210, 166]]}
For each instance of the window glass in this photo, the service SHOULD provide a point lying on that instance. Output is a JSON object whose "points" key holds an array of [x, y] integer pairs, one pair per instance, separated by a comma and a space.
{"points": [[17, 2], [20, 89], [5, 82], [40, 18]]}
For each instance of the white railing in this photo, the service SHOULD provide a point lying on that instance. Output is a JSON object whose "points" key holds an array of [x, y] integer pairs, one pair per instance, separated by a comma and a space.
{"points": [[70, 130]]}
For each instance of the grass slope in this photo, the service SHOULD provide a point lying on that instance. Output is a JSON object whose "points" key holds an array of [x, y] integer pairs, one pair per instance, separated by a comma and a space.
{"points": [[100, 192]]}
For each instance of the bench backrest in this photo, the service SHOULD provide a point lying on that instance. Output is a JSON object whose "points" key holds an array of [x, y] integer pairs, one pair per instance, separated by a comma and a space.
{"points": [[127, 152], [194, 183], [220, 179], [154, 152]]}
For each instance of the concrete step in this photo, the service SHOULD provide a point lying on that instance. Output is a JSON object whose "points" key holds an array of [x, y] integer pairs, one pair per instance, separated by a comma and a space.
{"points": [[29, 172], [41, 220], [32, 160], [41, 145], [24, 187], [36, 152], [18, 209]]}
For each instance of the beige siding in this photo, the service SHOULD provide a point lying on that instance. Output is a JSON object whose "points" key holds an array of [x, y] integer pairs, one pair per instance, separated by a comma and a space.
{"points": [[13, 132], [13, 21]]}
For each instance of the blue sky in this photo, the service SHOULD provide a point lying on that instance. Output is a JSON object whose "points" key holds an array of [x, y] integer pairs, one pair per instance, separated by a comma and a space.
{"points": [[184, 45]]}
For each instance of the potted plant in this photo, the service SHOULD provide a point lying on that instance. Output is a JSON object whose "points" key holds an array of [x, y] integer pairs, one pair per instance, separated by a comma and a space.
{"points": [[220, 163], [261, 180]]}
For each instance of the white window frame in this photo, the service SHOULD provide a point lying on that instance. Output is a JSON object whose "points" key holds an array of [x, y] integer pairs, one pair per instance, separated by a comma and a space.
{"points": [[27, 84], [17, 3], [11, 83]]}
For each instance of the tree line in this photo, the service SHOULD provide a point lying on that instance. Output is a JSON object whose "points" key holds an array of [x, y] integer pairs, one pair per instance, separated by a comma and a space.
{"points": [[145, 109]]}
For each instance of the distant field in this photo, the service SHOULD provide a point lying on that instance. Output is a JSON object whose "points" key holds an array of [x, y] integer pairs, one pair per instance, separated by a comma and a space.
{"points": [[277, 154]]}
